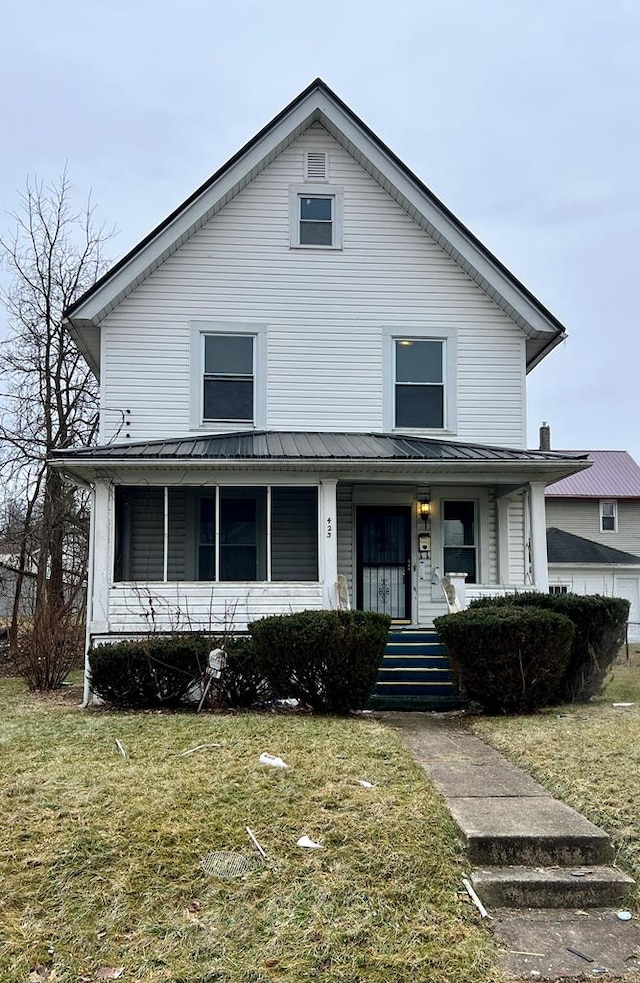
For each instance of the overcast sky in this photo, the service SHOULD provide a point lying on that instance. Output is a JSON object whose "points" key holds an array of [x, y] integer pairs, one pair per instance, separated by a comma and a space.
{"points": [[521, 115]]}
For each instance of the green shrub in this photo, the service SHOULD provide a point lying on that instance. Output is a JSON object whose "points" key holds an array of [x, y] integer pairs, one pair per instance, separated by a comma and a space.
{"points": [[507, 659], [326, 659], [154, 672], [600, 624], [242, 683]]}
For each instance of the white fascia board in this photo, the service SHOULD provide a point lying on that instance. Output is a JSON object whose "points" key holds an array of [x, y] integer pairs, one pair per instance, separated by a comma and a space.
{"points": [[455, 236], [194, 214]]}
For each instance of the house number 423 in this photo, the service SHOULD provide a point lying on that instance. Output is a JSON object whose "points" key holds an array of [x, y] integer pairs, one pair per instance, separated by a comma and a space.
{"points": [[329, 528]]}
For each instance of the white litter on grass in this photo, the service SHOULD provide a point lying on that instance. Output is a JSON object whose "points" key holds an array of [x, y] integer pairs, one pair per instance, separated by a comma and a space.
{"points": [[120, 748], [365, 783], [474, 897], [199, 747], [623, 704], [253, 839], [309, 844], [624, 916], [272, 760]]}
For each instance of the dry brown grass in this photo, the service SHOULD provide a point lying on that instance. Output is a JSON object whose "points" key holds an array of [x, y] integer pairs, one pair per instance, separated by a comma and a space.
{"points": [[100, 855]]}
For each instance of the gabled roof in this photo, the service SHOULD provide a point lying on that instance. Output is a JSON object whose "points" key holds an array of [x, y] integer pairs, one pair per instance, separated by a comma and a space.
{"points": [[564, 547], [317, 103], [613, 474]]}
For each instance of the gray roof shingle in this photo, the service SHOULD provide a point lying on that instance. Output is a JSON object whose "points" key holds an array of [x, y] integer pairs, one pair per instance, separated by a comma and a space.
{"points": [[565, 547]]}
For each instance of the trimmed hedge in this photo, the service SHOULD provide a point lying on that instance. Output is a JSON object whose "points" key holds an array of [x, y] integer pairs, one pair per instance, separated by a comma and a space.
{"points": [[326, 659], [242, 683], [600, 624], [508, 659], [154, 672]]}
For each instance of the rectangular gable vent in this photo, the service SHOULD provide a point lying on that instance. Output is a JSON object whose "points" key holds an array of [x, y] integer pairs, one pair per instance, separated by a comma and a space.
{"points": [[317, 166]]}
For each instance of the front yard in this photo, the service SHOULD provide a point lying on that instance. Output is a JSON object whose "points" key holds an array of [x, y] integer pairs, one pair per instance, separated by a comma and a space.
{"points": [[100, 855]]}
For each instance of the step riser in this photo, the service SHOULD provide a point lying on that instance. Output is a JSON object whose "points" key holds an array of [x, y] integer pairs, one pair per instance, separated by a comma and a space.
{"points": [[549, 895], [539, 851]]}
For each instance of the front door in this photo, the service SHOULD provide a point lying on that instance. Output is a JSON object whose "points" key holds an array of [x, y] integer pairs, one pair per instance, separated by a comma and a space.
{"points": [[384, 560]]}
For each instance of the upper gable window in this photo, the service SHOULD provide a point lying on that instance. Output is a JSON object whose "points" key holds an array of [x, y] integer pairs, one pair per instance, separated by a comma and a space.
{"points": [[228, 375], [316, 217], [420, 393], [609, 516]]}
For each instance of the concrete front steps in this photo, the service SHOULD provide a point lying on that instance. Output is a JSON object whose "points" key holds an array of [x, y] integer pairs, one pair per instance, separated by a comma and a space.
{"points": [[415, 673], [526, 849]]}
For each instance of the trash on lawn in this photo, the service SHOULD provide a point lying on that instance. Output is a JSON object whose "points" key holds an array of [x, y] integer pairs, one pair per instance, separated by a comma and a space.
{"points": [[110, 972], [199, 747], [120, 748], [255, 843], [365, 783], [272, 760], [623, 704], [474, 897], [624, 916], [309, 844], [581, 955], [580, 873], [226, 864], [41, 972]]}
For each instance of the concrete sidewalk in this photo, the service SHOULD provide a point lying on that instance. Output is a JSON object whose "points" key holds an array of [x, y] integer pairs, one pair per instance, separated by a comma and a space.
{"points": [[544, 871]]}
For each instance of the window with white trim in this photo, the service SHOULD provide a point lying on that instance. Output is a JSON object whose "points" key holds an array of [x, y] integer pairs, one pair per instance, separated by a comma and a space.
{"points": [[316, 217], [558, 589], [608, 516], [228, 375], [420, 386], [459, 539]]}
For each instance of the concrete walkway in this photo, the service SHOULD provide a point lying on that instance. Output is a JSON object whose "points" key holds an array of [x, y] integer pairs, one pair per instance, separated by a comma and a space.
{"points": [[544, 871]]}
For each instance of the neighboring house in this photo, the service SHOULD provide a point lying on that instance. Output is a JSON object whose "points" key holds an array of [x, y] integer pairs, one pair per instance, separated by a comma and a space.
{"points": [[9, 570], [311, 370], [593, 536]]}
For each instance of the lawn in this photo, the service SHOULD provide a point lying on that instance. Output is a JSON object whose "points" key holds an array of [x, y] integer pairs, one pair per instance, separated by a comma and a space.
{"points": [[588, 755], [100, 855]]}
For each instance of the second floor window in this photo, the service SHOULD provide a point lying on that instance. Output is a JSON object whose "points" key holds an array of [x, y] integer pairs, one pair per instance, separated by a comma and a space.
{"points": [[316, 221], [608, 517], [228, 388], [419, 384]]}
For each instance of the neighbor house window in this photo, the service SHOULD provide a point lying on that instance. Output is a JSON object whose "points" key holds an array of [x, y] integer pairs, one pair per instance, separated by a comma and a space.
{"points": [[228, 375], [223, 533], [558, 589], [608, 516], [316, 216], [420, 379], [460, 539]]}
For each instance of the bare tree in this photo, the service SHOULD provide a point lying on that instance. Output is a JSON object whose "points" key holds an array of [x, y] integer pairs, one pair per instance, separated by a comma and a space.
{"points": [[48, 397]]}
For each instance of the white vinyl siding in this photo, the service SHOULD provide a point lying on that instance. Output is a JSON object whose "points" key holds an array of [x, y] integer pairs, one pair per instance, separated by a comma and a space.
{"points": [[581, 516], [325, 311], [516, 541]]}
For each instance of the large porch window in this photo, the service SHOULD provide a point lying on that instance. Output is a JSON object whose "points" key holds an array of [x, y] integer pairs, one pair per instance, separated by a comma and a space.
{"points": [[216, 533]]}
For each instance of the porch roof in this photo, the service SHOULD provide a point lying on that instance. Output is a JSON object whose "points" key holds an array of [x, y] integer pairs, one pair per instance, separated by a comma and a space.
{"points": [[322, 449]]}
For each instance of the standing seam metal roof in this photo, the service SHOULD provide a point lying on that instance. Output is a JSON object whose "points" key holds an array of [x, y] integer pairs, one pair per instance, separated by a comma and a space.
{"points": [[281, 445], [613, 474]]}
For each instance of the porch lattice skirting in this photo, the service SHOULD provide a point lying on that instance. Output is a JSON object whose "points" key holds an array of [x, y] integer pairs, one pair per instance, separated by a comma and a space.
{"points": [[415, 673]]}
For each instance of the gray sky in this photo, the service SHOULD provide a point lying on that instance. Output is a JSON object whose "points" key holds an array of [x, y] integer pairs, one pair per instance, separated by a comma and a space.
{"points": [[521, 116]]}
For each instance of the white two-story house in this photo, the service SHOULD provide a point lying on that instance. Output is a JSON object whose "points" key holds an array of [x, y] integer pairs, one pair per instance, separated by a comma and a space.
{"points": [[312, 387]]}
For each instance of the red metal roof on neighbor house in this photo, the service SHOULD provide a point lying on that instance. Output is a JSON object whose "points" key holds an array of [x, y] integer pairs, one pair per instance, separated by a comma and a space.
{"points": [[613, 474]]}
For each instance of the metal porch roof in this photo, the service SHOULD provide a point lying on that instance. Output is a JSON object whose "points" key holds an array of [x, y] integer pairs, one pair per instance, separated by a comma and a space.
{"points": [[278, 445]]}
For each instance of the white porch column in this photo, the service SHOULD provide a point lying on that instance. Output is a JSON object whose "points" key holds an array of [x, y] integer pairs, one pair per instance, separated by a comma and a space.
{"points": [[538, 535], [102, 517], [328, 534]]}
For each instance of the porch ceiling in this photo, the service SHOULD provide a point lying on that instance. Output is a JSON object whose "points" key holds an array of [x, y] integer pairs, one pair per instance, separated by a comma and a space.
{"points": [[356, 455]]}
